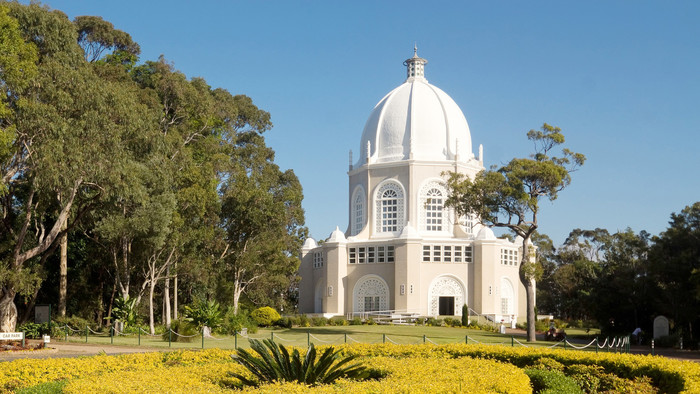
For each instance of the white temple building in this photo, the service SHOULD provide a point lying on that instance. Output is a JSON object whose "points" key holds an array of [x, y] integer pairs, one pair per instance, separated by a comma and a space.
{"points": [[403, 252]]}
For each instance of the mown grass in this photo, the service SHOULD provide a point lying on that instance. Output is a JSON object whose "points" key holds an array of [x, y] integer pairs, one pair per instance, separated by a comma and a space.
{"points": [[327, 335]]}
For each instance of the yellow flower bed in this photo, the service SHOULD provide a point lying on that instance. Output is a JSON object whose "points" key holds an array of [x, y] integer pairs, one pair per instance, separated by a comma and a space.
{"points": [[405, 368]]}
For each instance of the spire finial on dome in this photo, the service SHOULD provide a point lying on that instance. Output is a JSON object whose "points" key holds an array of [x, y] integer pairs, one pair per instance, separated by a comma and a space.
{"points": [[415, 66]]}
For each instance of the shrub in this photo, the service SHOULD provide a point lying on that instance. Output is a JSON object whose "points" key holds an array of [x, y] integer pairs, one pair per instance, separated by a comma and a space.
{"points": [[74, 322], [548, 364], [183, 331], [545, 381], [449, 321], [284, 322], [235, 322], [204, 313], [277, 364], [667, 341], [265, 316], [319, 321], [35, 330], [465, 315], [420, 321], [542, 325], [370, 321], [338, 321], [433, 322], [304, 321], [356, 321]]}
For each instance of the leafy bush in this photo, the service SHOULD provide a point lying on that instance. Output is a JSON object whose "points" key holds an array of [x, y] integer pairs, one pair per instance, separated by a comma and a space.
{"points": [[420, 321], [204, 313], [319, 321], [284, 322], [35, 330], [337, 321], [304, 321], [433, 322], [667, 341], [370, 321], [235, 322], [74, 322], [594, 379], [265, 316], [545, 381], [124, 311], [356, 321], [277, 364], [548, 364], [183, 331]]}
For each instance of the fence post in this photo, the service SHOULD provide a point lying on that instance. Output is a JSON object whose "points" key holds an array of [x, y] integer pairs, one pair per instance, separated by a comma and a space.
{"points": [[170, 337], [66, 333], [235, 339], [86, 333], [565, 344], [423, 338], [346, 337], [272, 336], [596, 344], [512, 341], [111, 335], [308, 338], [202, 337], [24, 335], [139, 336], [383, 338]]}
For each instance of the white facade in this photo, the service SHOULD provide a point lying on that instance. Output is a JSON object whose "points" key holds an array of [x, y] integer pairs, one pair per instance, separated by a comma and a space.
{"points": [[403, 250]]}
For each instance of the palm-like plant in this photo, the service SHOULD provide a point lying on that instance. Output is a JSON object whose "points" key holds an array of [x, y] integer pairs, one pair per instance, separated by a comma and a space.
{"points": [[276, 364]]}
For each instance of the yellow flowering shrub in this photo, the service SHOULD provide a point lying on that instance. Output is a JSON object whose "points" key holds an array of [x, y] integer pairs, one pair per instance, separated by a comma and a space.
{"points": [[403, 368]]}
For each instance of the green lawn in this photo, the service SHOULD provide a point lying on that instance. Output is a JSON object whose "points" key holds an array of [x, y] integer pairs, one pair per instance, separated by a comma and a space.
{"points": [[325, 336]]}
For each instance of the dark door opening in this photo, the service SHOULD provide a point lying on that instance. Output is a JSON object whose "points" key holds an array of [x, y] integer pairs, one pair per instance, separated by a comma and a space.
{"points": [[447, 306]]}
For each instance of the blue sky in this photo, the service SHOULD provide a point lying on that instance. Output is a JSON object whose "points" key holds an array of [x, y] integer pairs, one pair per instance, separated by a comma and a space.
{"points": [[621, 78]]}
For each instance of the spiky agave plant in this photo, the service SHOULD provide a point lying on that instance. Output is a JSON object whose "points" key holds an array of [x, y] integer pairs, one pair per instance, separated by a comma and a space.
{"points": [[276, 364]]}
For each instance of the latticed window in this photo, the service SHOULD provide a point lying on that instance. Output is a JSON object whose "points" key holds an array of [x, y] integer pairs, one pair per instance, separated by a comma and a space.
{"points": [[352, 254], [371, 254], [390, 212], [505, 310], [371, 304], [434, 202], [359, 213], [509, 257], [390, 208], [318, 259]]}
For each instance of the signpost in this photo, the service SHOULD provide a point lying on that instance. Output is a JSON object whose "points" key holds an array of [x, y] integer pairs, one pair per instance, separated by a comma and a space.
{"points": [[12, 336]]}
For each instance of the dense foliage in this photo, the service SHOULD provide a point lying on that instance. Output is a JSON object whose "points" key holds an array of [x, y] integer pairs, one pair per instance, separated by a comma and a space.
{"points": [[125, 180]]}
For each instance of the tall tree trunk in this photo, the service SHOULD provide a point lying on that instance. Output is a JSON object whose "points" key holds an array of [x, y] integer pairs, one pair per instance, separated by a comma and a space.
{"points": [[527, 278], [111, 304], [63, 268], [175, 294], [8, 310], [151, 325], [166, 297]]}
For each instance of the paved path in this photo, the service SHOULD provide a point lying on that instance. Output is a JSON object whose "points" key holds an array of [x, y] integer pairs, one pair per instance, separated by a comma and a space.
{"points": [[60, 349]]}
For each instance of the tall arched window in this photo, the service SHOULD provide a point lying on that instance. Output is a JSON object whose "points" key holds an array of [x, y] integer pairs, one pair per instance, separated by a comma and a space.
{"points": [[433, 212], [358, 211], [390, 208]]}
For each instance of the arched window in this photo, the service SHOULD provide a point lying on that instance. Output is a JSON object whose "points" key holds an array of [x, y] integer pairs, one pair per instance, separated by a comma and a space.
{"points": [[371, 294], [433, 212], [507, 295], [358, 211], [390, 208]]}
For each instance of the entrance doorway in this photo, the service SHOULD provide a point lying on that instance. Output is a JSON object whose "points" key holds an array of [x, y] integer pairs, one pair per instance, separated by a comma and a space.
{"points": [[446, 306]]}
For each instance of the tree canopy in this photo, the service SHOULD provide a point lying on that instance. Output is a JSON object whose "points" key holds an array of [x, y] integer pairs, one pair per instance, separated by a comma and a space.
{"points": [[509, 197]]}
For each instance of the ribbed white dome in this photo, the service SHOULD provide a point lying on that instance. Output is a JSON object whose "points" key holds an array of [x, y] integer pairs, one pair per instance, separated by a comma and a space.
{"points": [[416, 121]]}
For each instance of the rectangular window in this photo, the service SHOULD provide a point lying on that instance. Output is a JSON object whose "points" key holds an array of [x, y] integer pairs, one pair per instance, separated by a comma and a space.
{"points": [[361, 255], [458, 254], [370, 254], [467, 254], [437, 256], [389, 254], [504, 306], [426, 254], [353, 255], [380, 254], [447, 254]]}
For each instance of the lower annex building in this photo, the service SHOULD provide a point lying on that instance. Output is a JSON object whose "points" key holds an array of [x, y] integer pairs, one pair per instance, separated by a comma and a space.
{"points": [[404, 252]]}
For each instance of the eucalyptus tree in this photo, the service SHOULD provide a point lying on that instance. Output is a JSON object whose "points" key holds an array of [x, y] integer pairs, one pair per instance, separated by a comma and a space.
{"points": [[509, 197], [261, 221], [67, 127]]}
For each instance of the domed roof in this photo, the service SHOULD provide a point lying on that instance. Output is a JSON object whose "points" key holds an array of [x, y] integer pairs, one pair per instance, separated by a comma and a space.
{"points": [[416, 121]]}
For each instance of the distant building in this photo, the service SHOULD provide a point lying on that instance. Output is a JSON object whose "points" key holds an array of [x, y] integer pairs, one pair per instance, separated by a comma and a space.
{"points": [[404, 252]]}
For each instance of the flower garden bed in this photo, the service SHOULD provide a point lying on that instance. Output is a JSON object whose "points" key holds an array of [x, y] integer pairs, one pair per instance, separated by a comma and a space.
{"points": [[398, 368]]}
